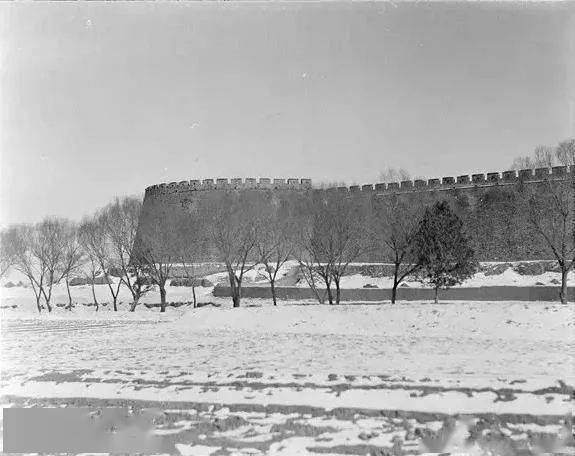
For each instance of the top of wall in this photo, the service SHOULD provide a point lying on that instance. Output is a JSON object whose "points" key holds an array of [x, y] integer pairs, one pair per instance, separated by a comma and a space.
{"points": [[464, 181], [445, 183], [230, 184]]}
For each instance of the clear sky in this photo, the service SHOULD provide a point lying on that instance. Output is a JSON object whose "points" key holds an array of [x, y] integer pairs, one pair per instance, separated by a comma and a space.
{"points": [[104, 99]]}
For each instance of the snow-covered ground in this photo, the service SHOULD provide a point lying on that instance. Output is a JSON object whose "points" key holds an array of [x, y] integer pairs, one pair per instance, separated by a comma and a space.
{"points": [[295, 378], [302, 378]]}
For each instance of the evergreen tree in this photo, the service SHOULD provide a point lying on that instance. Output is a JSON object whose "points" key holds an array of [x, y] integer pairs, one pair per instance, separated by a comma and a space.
{"points": [[443, 249]]}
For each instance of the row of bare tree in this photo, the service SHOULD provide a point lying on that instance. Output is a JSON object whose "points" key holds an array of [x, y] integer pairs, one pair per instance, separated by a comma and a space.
{"points": [[57, 250], [323, 231]]}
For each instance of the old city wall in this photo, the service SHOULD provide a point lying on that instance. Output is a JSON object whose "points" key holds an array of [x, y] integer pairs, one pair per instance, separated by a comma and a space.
{"points": [[176, 198], [484, 201]]}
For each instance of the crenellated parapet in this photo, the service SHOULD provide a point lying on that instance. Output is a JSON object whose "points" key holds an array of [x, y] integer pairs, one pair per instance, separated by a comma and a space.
{"points": [[229, 184], [466, 181], [419, 185]]}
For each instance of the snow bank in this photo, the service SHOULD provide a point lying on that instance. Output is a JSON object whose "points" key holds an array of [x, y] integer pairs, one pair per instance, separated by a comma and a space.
{"points": [[508, 278]]}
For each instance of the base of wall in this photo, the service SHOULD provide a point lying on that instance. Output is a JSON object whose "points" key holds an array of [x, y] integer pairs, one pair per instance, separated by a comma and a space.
{"points": [[500, 293]]}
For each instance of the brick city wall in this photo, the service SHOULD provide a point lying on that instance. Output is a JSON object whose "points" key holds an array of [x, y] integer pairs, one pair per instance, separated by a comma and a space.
{"points": [[492, 218]]}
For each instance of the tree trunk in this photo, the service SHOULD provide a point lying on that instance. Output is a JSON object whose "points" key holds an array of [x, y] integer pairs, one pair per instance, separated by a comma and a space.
{"points": [[69, 295], [36, 295], [194, 296], [47, 299], [337, 292], [395, 284], [237, 294], [563, 292], [273, 288], [134, 305], [329, 294], [328, 289], [319, 296], [162, 298], [235, 288], [436, 294], [94, 295], [311, 283]]}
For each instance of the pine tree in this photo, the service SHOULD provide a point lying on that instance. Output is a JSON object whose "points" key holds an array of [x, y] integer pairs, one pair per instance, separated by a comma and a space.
{"points": [[443, 249]]}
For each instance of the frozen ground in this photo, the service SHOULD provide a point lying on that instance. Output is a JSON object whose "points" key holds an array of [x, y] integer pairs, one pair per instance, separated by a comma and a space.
{"points": [[300, 379]]}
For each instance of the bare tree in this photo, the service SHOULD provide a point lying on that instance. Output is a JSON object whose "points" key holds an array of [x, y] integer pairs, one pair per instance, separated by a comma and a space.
{"points": [[565, 152], [39, 252], [345, 236], [73, 257], [335, 238], [190, 233], [523, 162], [550, 212], [550, 207], [394, 175], [275, 240], [97, 245], [159, 269], [309, 270], [543, 157], [23, 243], [396, 224], [92, 264], [311, 262], [189, 270], [156, 250], [233, 219], [7, 257], [53, 251], [120, 221]]}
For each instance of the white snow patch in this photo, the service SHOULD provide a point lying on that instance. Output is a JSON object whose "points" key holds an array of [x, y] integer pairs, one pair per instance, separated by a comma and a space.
{"points": [[449, 402], [195, 450]]}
